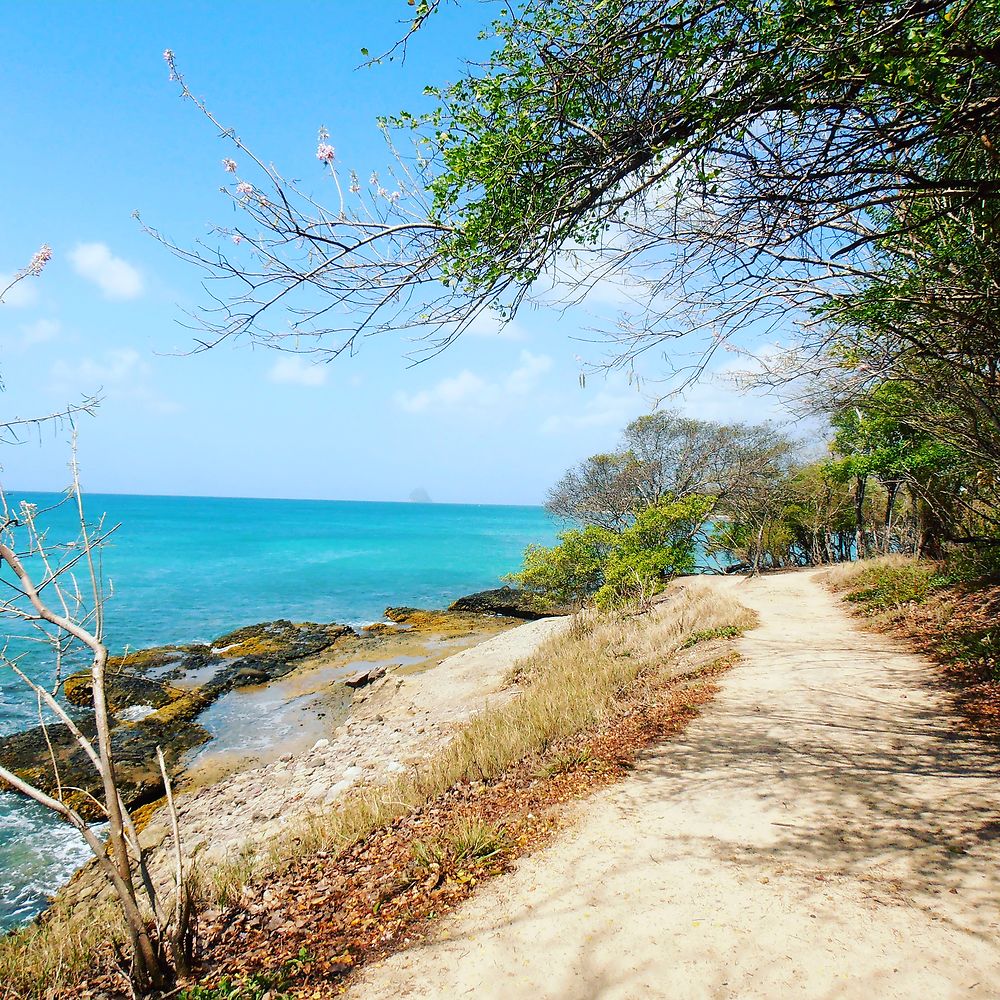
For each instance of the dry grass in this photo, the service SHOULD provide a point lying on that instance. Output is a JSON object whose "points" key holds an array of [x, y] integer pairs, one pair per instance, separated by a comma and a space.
{"points": [[865, 572], [39, 959], [569, 683]]}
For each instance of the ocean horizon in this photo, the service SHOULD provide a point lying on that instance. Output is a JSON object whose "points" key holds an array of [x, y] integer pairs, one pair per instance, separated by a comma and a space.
{"points": [[408, 501], [187, 569]]}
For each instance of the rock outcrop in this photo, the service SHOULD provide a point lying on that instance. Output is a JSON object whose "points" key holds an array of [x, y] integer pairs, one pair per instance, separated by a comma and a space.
{"points": [[511, 603], [453, 623], [155, 701]]}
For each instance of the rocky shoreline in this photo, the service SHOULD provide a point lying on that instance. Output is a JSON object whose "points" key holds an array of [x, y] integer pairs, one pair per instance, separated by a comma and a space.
{"points": [[391, 694]]}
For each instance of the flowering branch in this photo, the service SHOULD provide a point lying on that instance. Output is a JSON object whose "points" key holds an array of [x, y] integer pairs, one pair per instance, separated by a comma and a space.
{"points": [[33, 269]]}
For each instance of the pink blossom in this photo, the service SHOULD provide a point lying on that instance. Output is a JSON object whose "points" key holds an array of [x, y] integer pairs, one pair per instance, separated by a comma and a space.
{"points": [[244, 189], [230, 165], [42, 256], [168, 55], [325, 152], [237, 239]]}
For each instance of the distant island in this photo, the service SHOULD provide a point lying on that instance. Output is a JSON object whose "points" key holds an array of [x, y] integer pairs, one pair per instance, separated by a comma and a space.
{"points": [[420, 495]]}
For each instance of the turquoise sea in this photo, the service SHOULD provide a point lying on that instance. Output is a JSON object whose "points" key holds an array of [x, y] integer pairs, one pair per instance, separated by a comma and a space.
{"points": [[191, 568]]}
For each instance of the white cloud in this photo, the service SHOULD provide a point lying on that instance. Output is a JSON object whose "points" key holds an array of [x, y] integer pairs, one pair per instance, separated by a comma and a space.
{"points": [[293, 370], [120, 374], [115, 277], [468, 389], [24, 293], [464, 387], [523, 379], [115, 367], [605, 409], [40, 332]]}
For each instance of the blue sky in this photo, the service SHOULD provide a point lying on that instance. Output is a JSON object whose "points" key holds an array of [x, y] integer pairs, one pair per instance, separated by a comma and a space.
{"points": [[94, 130]]}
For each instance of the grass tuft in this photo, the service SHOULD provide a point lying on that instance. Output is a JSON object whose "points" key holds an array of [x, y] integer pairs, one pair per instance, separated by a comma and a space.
{"points": [[889, 583], [55, 952]]}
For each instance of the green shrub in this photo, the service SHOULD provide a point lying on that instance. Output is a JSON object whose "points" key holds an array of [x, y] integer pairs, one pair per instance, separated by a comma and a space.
{"points": [[976, 563], [705, 635], [571, 571], [617, 568], [885, 586]]}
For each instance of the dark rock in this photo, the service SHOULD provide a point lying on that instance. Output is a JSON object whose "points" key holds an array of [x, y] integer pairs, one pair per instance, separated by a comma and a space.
{"points": [[123, 690], [453, 624], [133, 745], [253, 655], [509, 602], [740, 567], [260, 653]]}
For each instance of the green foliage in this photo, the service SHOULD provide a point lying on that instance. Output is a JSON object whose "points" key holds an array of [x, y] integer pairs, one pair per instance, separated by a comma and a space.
{"points": [[658, 546], [875, 439], [974, 647], [861, 125], [888, 586], [617, 568], [708, 634], [570, 572], [582, 105], [977, 563]]}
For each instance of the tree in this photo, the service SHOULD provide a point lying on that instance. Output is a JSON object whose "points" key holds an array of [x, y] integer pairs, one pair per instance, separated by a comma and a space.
{"points": [[664, 455], [570, 572], [818, 516], [929, 326], [830, 164], [679, 456], [45, 596], [617, 568], [877, 440], [749, 512], [42, 594], [747, 157], [602, 490]]}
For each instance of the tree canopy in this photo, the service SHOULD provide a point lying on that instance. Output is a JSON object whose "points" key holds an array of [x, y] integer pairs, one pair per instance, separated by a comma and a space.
{"points": [[828, 168]]}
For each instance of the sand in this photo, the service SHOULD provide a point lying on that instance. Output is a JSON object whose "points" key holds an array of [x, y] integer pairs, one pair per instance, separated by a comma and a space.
{"points": [[823, 829]]}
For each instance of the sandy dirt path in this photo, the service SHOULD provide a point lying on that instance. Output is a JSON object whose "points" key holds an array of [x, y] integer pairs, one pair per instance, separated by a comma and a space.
{"points": [[821, 830]]}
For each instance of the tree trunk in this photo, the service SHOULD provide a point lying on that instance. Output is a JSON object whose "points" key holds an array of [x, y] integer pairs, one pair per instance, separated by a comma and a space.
{"points": [[892, 487], [860, 542], [929, 530]]}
